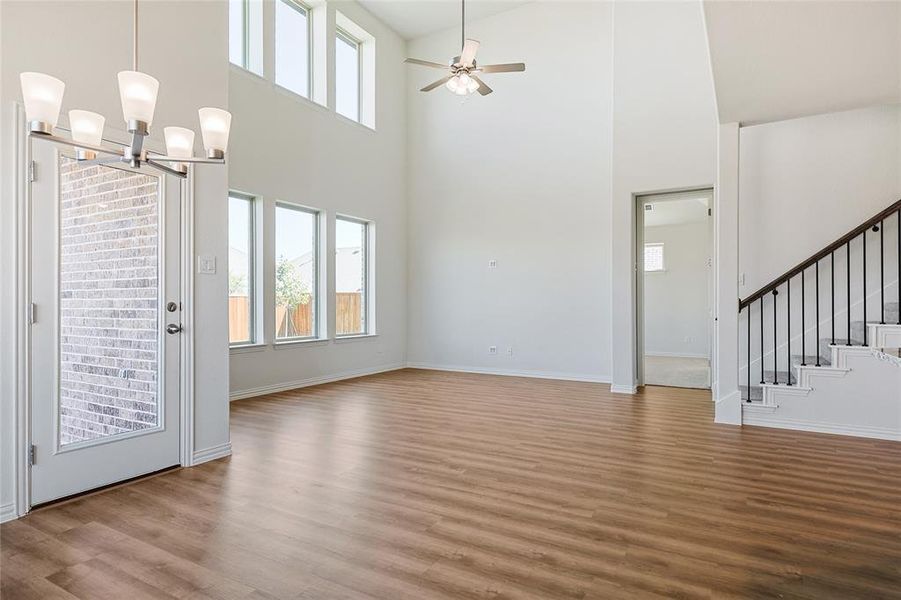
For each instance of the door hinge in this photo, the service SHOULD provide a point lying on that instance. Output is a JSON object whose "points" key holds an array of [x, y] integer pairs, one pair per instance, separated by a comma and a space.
{"points": [[32, 313], [32, 171], [709, 212], [31, 452]]}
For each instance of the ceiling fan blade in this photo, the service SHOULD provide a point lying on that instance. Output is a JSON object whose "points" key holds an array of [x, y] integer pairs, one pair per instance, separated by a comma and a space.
{"points": [[483, 87], [435, 84], [504, 68], [425, 63], [470, 47]]}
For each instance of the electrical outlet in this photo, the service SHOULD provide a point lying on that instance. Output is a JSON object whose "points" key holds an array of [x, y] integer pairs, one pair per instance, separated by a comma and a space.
{"points": [[509, 350], [492, 349], [492, 264]]}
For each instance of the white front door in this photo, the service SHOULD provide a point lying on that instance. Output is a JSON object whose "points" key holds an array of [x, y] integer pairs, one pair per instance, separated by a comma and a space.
{"points": [[105, 286]]}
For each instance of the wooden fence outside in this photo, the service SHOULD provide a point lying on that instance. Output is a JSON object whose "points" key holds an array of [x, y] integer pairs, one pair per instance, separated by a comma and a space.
{"points": [[348, 317]]}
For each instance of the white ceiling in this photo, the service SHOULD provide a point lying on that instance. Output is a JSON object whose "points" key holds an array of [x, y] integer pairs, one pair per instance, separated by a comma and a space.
{"points": [[676, 212], [779, 60], [415, 18]]}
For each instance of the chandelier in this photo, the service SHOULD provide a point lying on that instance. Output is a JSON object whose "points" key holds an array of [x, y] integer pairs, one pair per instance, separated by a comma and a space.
{"points": [[43, 96]]}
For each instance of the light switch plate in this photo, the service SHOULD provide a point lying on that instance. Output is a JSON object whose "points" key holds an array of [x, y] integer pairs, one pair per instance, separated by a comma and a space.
{"points": [[206, 264]]}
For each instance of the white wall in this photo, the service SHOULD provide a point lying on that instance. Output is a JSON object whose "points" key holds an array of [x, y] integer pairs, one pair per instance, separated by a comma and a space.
{"points": [[86, 44], [839, 169], [287, 148], [521, 176], [664, 136], [676, 311]]}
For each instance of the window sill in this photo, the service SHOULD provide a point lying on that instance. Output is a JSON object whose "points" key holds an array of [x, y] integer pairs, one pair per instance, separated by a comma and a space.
{"points": [[354, 338], [350, 121], [286, 344], [245, 348]]}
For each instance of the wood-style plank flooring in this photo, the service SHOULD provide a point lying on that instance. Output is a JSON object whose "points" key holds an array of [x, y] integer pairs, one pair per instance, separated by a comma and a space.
{"points": [[420, 485]]}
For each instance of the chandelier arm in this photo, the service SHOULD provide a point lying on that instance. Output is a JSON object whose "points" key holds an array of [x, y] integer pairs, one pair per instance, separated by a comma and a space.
{"points": [[193, 159], [67, 142], [165, 169]]}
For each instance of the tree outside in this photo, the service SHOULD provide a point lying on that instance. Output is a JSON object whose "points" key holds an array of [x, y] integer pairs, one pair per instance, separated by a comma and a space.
{"points": [[291, 292]]}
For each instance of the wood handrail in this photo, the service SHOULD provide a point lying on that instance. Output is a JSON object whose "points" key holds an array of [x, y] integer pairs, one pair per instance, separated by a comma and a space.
{"points": [[875, 220]]}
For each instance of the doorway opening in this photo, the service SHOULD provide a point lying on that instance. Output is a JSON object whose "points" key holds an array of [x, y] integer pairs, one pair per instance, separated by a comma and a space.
{"points": [[674, 277]]}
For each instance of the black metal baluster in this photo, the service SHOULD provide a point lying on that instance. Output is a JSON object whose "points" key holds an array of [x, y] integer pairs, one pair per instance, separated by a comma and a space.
{"points": [[881, 230], [775, 338], [898, 235], [848, 290], [803, 321], [761, 341], [788, 326], [816, 346], [864, 238], [832, 288]]}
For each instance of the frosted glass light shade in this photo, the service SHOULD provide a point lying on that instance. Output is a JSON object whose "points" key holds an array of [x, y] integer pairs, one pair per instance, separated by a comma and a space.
{"points": [[215, 125], [43, 96], [86, 126], [179, 142], [138, 94]]}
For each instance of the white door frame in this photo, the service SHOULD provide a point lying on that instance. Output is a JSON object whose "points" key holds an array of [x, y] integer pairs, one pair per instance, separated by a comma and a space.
{"points": [[638, 201], [22, 243]]}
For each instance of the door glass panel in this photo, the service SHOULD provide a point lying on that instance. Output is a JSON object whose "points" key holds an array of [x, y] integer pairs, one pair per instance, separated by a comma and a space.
{"points": [[108, 302]]}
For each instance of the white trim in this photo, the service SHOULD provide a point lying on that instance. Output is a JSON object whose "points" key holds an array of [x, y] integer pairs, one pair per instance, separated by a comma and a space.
{"points": [[300, 383], [623, 389], [677, 355], [22, 434], [760, 419], [213, 453], [561, 376], [727, 410], [186, 357], [8, 512]]}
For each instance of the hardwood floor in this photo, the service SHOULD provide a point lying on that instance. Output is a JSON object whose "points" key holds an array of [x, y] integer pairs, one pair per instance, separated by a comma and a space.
{"points": [[421, 484]]}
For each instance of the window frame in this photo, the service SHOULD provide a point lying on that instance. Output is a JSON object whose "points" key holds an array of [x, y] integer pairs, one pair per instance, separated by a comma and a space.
{"points": [[307, 11], [252, 269], [365, 307], [316, 330], [245, 34], [644, 256], [342, 35]]}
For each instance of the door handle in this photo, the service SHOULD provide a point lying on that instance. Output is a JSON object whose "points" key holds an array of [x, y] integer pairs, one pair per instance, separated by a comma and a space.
{"points": [[172, 328]]}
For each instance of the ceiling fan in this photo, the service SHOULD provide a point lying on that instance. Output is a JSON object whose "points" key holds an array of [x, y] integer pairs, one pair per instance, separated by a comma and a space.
{"points": [[463, 78]]}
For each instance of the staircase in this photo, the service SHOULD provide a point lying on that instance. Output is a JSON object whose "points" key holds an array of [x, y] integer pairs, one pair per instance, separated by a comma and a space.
{"points": [[821, 344]]}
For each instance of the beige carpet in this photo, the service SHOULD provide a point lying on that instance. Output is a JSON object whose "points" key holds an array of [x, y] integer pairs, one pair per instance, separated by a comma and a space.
{"points": [[677, 371]]}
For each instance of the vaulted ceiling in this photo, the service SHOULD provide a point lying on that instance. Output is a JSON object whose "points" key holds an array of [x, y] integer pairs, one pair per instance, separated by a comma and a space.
{"points": [[778, 60], [415, 18]]}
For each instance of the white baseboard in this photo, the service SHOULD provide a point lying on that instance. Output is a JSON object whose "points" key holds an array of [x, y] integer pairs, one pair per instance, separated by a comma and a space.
{"points": [[676, 355], [300, 383], [623, 389], [208, 454], [562, 376], [762, 419], [8, 512]]}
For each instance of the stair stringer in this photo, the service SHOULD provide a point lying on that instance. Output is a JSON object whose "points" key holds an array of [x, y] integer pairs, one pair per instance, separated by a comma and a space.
{"points": [[884, 335], [860, 396]]}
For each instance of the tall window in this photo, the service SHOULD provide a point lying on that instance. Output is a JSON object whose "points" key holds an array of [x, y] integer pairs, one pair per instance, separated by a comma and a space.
{"points": [[292, 46], [241, 261], [237, 32], [351, 276], [296, 272], [653, 258], [347, 75]]}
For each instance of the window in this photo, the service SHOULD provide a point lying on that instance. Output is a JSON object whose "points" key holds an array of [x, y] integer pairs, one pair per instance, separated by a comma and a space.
{"points": [[296, 272], [292, 47], [245, 35], [347, 75], [351, 276], [241, 272], [237, 32], [653, 258]]}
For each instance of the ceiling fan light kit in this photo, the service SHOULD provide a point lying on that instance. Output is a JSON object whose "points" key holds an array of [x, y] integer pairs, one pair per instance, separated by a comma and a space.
{"points": [[43, 97], [463, 78]]}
